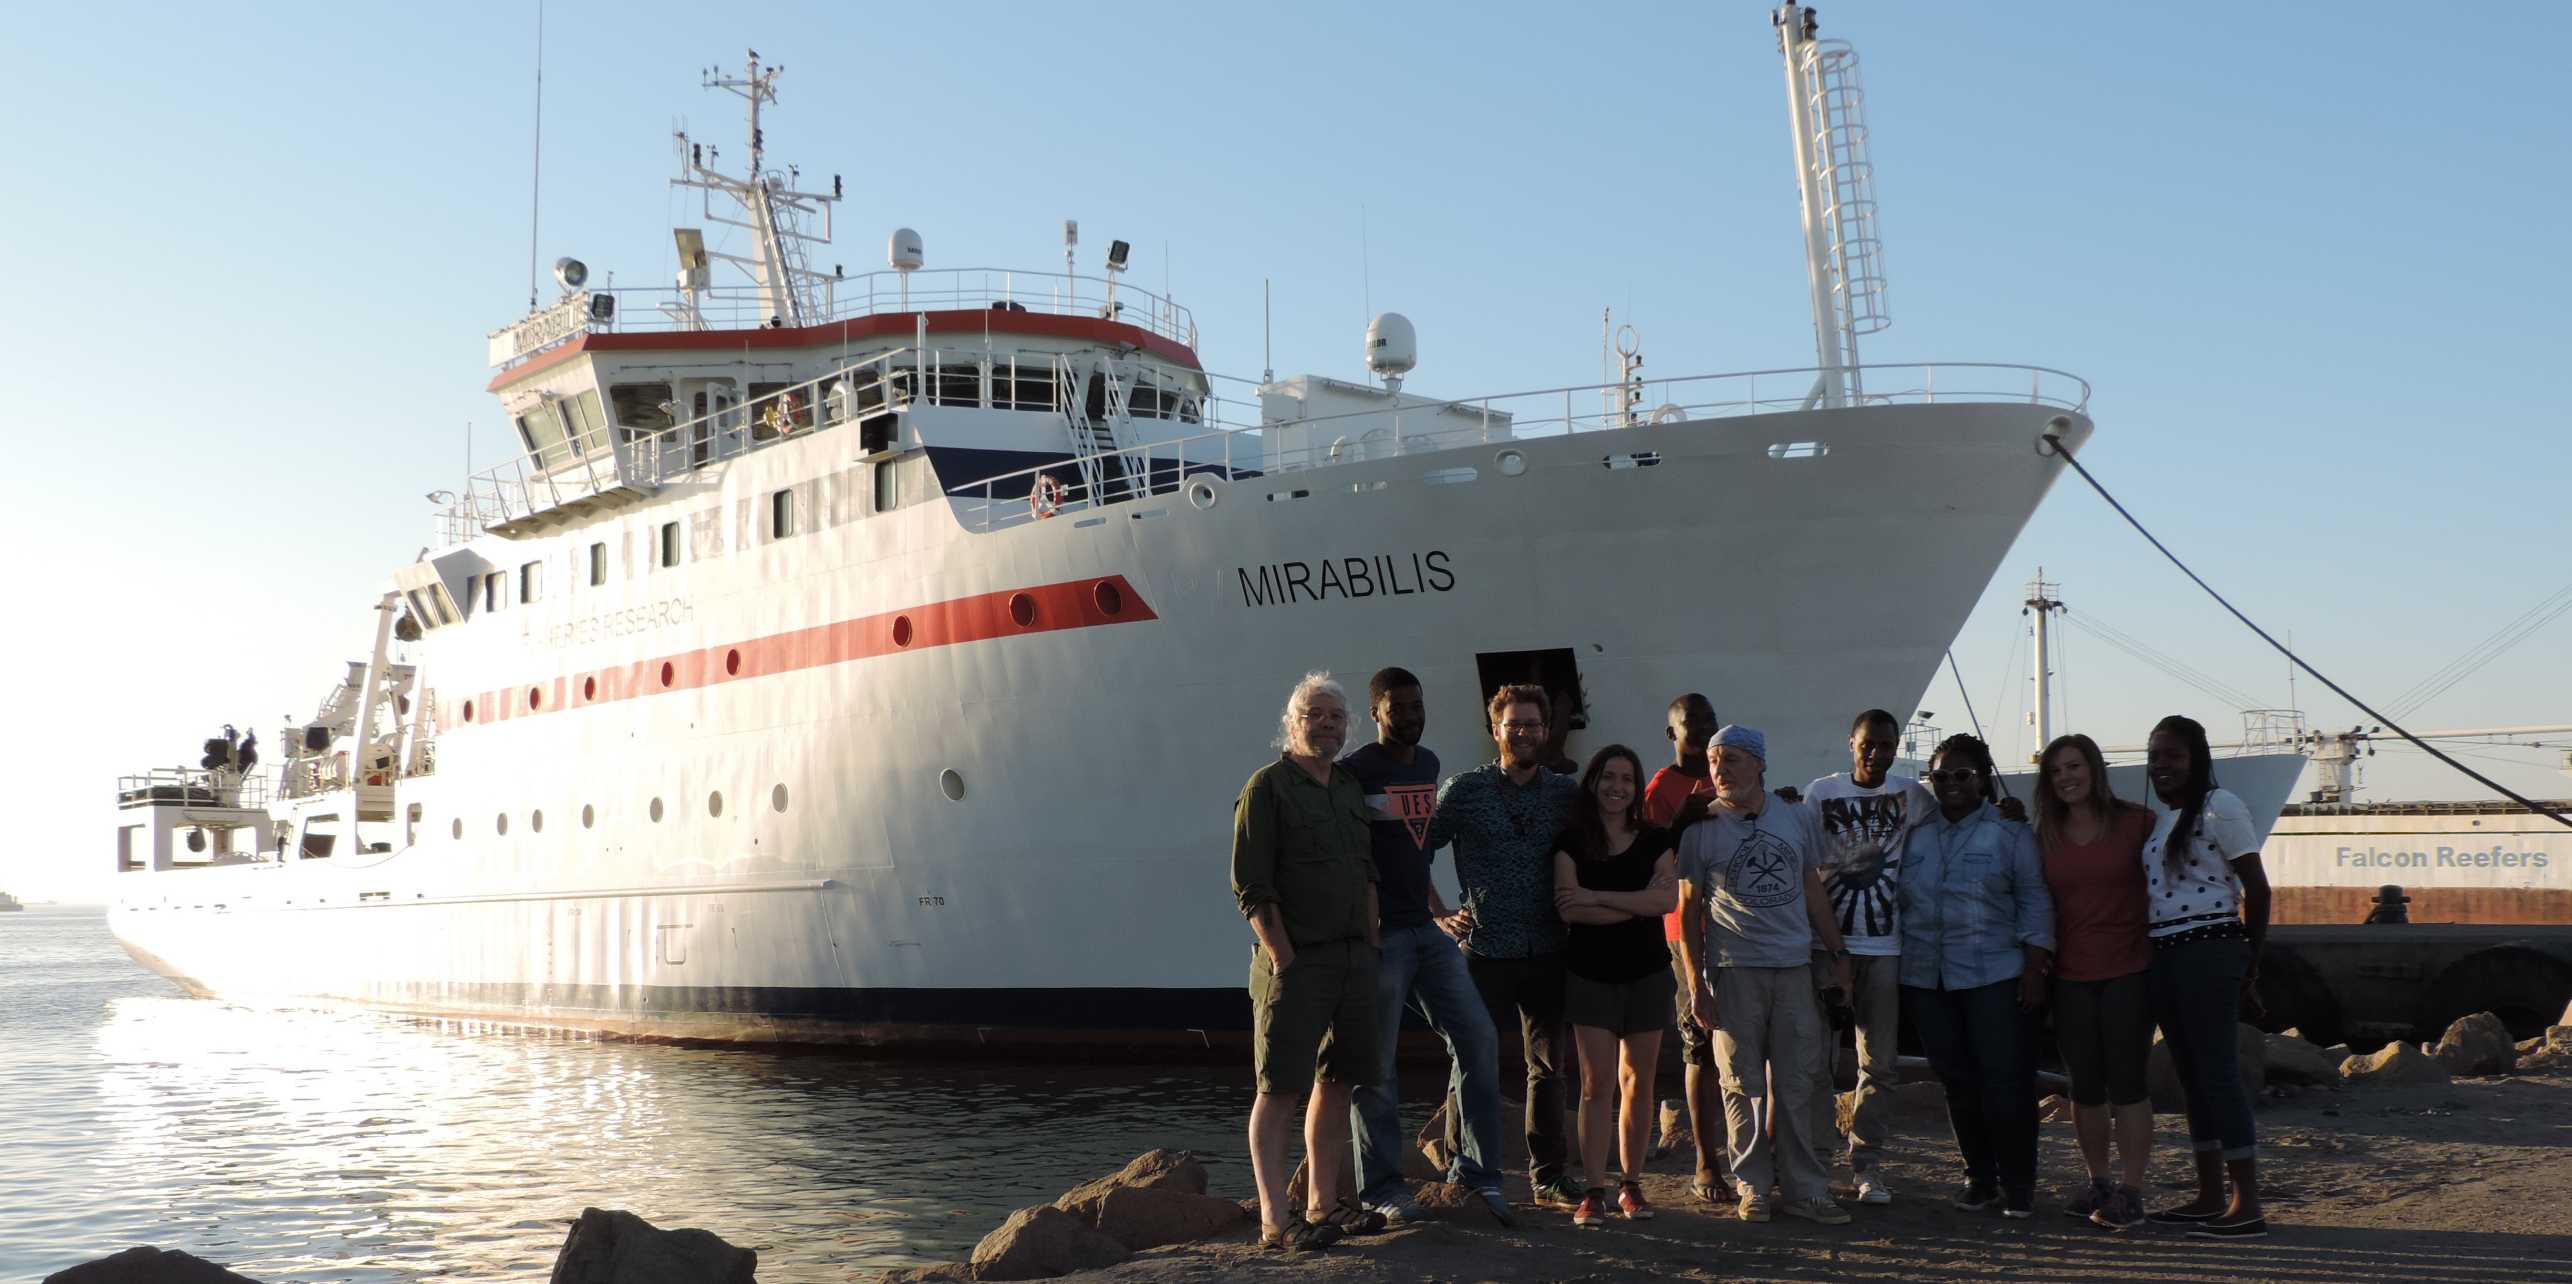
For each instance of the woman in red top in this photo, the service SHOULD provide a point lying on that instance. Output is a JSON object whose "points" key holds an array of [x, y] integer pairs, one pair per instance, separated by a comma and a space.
{"points": [[2091, 844]]}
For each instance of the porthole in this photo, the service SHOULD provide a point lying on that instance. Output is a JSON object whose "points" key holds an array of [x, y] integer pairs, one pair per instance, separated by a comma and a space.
{"points": [[777, 798], [714, 803], [1110, 599], [500, 823], [455, 829], [951, 784], [669, 673], [1022, 609], [731, 662], [589, 689], [588, 816], [656, 811], [535, 698], [901, 630], [468, 710], [536, 822], [1512, 463]]}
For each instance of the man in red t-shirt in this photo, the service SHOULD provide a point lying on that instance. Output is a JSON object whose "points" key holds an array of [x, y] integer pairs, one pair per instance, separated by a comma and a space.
{"points": [[1692, 721]]}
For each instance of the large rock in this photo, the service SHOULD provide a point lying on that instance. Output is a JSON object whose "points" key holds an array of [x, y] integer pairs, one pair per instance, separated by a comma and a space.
{"points": [[621, 1248], [1040, 1243], [2161, 1078], [2477, 1044], [148, 1266], [2395, 1064], [1141, 1217], [2292, 1060], [1151, 1170], [942, 1273], [2558, 1037]]}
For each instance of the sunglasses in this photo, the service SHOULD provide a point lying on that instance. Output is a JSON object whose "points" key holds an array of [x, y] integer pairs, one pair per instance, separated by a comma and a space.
{"points": [[1958, 773]]}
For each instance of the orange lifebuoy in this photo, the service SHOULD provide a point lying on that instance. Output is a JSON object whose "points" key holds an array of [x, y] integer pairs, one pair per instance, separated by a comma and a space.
{"points": [[781, 415], [1045, 498]]}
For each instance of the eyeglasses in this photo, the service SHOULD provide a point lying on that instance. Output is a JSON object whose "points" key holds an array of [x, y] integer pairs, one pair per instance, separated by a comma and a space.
{"points": [[1960, 773], [1522, 726]]}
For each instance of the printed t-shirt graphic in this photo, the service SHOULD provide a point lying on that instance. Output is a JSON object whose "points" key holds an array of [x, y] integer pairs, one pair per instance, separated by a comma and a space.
{"points": [[1400, 800], [1763, 872], [1862, 857]]}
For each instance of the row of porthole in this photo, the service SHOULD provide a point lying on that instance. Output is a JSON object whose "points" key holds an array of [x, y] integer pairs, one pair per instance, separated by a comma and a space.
{"points": [[589, 814], [1022, 611]]}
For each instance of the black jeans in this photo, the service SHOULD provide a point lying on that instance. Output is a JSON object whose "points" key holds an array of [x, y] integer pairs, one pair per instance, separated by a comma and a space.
{"points": [[2197, 998], [1984, 1050], [1533, 988]]}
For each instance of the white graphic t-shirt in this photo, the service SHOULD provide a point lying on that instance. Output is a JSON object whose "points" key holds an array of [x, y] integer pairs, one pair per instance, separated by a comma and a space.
{"points": [[1862, 861]]}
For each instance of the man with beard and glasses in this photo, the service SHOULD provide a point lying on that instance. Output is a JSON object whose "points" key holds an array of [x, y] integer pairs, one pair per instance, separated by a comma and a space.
{"points": [[1503, 818], [1864, 812], [1421, 967]]}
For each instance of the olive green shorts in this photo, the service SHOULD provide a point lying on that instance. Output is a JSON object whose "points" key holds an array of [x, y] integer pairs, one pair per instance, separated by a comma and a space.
{"points": [[1319, 1011]]}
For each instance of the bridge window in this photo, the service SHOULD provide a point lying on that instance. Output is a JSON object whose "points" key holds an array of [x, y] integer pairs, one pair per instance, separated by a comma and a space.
{"points": [[531, 581], [541, 431], [491, 590], [585, 427], [641, 408]]}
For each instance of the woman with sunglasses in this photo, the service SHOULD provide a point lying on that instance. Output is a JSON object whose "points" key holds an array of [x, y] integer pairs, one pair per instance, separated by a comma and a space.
{"points": [[1977, 947], [2209, 914], [1614, 877], [2092, 843]]}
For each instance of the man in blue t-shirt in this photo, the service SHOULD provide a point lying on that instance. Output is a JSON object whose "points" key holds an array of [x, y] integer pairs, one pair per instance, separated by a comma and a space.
{"points": [[1421, 967]]}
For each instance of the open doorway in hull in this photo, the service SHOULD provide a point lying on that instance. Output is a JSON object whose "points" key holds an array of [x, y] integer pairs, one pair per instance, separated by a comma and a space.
{"points": [[1555, 669]]}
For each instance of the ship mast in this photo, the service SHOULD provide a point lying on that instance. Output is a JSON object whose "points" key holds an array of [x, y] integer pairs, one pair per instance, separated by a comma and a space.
{"points": [[775, 215], [1843, 258], [2042, 605]]}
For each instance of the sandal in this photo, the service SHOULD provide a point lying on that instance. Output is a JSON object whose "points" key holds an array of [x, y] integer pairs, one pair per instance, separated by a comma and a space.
{"points": [[1355, 1219], [1298, 1236]]}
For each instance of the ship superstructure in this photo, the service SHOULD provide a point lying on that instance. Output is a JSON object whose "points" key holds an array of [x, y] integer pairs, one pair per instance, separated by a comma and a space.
{"points": [[878, 657]]}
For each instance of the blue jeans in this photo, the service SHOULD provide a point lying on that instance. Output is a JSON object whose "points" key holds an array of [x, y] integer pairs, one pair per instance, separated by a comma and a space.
{"points": [[1422, 969]]}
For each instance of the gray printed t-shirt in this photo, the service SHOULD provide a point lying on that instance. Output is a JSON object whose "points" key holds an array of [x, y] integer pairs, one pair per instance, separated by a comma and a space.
{"points": [[1750, 872]]}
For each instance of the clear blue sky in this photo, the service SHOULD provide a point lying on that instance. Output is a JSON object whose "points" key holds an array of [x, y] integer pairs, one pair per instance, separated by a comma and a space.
{"points": [[2307, 253]]}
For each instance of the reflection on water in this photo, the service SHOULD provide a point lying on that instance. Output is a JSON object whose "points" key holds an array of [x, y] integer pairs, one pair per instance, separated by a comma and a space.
{"points": [[333, 1145]]}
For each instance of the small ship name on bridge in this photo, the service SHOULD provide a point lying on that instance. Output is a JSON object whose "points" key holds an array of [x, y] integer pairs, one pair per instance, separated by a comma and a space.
{"points": [[616, 624], [1377, 575], [2443, 857]]}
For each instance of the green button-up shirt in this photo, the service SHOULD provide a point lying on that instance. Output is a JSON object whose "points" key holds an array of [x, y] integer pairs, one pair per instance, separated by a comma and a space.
{"points": [[1304, 846]]}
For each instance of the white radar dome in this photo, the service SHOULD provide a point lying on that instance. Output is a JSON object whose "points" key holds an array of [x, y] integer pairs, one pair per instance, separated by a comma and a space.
{"points": [[903, 250], [1392, 347]]}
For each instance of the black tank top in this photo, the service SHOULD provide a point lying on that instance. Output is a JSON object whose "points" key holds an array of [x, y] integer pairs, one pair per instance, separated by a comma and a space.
{"points": [[1616, 953]]}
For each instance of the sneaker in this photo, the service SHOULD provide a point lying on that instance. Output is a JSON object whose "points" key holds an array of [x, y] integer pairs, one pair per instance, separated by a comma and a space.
{"points": [[2255, 1228], [1820, 1208], [1558, 1193], [1592, 1211], [2121, 1210], [1498, 1204], [1873, 1190], [1976, 1197], [1399, 1211], [2184, 1216], [1754, 1206], [2089, 1199], [1630, 1201], [2018, 1204]]}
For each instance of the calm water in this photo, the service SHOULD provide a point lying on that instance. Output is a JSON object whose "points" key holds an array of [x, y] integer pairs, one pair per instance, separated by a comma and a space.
{"points": [[313, 1145]]}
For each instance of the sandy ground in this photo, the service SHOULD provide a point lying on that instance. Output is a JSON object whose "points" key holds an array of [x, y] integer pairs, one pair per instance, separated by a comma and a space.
{"points": [[2456, 1184]]}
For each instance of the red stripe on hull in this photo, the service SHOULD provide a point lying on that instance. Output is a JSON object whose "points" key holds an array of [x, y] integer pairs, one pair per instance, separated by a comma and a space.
{"points": [[1073, 604]]}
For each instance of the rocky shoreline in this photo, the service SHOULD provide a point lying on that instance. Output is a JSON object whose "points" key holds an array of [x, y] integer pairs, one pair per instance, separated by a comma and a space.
{"points": [[2440, 1163]]}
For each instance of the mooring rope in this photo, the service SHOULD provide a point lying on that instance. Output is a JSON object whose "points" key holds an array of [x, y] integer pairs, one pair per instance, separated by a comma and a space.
{"points": [[2052, 444]]}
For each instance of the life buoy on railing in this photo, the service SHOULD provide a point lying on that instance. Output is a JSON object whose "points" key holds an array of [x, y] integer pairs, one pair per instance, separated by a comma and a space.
{"points": [[1045, 498], [781, 413], [1667, 413]]}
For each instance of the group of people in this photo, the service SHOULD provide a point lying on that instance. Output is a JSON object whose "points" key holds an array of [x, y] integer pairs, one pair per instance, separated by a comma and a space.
{"points": [[1602, 910]]}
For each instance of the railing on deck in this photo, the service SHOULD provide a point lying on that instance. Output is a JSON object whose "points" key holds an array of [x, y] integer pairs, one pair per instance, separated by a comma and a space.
{"points": [[1164, 466], [192, 786], [746, 307]]}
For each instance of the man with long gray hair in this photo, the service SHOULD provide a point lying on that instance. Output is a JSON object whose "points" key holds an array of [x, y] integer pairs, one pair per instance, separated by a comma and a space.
{"points": [[1303, 872]]}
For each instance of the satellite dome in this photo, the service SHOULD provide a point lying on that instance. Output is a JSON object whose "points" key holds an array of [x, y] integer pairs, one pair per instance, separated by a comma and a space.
{"points": [[1392, 347], [903, 250]]}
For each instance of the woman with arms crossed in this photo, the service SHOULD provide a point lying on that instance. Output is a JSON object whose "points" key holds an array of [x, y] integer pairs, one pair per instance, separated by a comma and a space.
{"points": [[2092, 845], [1614, 877]]}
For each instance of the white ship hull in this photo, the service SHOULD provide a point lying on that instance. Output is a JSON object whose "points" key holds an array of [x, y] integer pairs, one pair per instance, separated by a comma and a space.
{"points": [[758, 844], [2263, 781]]}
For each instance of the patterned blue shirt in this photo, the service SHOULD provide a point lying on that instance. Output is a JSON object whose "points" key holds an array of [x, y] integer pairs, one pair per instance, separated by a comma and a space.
{"points": [[1505, 839]]}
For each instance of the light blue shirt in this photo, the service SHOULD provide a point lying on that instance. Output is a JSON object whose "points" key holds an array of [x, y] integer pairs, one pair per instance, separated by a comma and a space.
{"points": [[1973, 893]]}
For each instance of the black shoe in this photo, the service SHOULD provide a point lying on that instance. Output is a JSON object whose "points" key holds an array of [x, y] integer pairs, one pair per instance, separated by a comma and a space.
{"points": [[2255, 1228], [2182, 1217], [1976, 1197], [2018, 1204]]}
